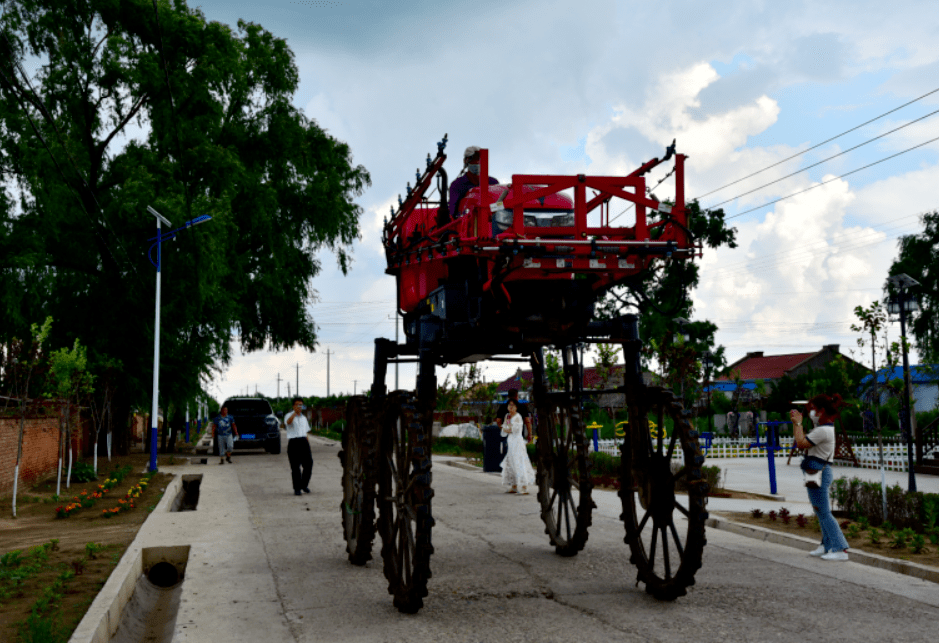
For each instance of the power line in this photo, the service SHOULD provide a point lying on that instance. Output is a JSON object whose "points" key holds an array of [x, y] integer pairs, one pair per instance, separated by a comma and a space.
{"points": [[809, 167], [817, 145], [805, 252], [818, 185]]}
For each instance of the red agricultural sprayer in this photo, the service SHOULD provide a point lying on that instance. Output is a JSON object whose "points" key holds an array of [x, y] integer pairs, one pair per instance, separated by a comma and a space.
{"points": [[521, 266]]}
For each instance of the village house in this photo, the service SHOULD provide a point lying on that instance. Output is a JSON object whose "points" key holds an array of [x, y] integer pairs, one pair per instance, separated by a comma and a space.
{"points": [[772, 368]]}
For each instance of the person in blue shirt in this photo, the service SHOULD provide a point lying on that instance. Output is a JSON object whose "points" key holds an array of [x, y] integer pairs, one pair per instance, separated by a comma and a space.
{"points": [[222, 427], [463, 183]]}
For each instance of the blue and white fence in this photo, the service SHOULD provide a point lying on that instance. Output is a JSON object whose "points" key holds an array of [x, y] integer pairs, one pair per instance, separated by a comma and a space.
{"points": [[895, 454]]}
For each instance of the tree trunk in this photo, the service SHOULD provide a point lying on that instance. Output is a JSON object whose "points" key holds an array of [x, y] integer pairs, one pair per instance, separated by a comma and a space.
{"points": [[71, 451], [58, 475], [19, 457], [110, 420], [174, 434], [166, 429], [880, 433], [121, 433]]}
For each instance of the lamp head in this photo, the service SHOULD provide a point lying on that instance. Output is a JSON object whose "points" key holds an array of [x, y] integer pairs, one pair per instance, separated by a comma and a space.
{"points": [[200, 219]]}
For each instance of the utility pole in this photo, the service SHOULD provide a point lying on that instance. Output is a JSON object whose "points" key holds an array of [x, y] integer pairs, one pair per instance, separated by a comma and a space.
{"points": [[327, 372], [278, 386], [354, 382], [298, 378], [288, 389]]}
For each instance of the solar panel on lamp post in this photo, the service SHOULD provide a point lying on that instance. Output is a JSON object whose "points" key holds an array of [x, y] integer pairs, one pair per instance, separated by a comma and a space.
{"points": [[158, 242]]}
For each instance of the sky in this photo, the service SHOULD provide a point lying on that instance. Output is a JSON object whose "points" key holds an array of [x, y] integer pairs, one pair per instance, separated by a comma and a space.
{"points": [[598, 88]]}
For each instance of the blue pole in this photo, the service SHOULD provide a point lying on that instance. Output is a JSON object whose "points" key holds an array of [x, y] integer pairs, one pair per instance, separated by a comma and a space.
{"points": [[771, 454], [771, 450], [596, 443]]}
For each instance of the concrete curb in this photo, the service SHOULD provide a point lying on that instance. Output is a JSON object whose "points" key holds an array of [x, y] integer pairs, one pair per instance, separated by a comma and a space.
{"points": [[761, 496], [104, 615], [463, 465], [807, 544]]}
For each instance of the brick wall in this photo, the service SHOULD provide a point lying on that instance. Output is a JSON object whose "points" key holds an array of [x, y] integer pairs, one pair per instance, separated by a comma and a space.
{"points": [[40, 450]]}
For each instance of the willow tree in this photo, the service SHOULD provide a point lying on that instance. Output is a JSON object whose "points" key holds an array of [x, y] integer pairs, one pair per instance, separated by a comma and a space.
{"points": [[215, 133]]}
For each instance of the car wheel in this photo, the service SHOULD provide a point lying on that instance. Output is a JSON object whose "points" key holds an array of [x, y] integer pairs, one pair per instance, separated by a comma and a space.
{"points": [[273, 445], [215, 446]]}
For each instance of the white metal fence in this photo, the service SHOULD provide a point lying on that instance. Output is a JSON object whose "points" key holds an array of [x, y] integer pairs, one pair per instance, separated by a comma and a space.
{"points": [[895, 453]]}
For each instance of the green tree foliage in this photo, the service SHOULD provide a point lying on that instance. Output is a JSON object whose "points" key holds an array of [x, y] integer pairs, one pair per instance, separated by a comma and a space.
{"points": [[841, 376], [664, 289], [918, 257], [553, 370], [69, 381], [220, 137], [607, 358]]}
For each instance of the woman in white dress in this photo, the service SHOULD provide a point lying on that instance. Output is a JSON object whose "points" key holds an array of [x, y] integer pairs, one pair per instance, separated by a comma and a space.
{"points": [[516, 468]]}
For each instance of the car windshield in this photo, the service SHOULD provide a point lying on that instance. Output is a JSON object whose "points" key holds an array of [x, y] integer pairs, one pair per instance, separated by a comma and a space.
{"points": [[248, 407]]}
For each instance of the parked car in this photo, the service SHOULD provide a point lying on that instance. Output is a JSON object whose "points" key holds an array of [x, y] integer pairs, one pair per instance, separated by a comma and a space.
{"points": [[258, 427]]}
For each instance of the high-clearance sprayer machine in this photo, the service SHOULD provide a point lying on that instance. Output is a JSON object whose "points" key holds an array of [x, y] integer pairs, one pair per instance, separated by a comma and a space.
{"points": [[521, 267]]}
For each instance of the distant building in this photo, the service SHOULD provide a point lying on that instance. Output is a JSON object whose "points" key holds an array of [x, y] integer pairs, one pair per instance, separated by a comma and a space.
{"points": [[522, 381], [771, 368], [924, 380]]}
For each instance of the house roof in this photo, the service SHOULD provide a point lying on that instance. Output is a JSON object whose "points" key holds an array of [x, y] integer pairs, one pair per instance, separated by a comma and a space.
{"points": [[771, 367], [919, 374], [728, 386]]}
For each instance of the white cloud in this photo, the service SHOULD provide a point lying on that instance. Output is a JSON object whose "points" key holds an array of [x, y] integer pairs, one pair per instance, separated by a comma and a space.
{"points": [[627, 79]]}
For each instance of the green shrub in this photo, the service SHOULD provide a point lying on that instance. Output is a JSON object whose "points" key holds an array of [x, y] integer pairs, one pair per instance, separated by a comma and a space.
{"points": [[711, 474], [337, 426], [917, 543], [83, 472], [603, 464], [458, 445], [904, 510], [901, 537]]}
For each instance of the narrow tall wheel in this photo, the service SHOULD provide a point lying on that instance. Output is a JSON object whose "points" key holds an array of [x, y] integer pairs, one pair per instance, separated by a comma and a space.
{"points": [[664, 528], [563, 474], [404, 500], [359, 477]]}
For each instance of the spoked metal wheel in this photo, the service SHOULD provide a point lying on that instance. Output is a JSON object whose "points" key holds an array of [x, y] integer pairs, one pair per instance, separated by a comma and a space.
{"points": [[563, 469], [664, 529], [359, 477], [404, 501]]}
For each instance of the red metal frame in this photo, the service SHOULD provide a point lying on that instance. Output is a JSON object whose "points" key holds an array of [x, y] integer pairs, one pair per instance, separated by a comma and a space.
{"points": [[416, 248]]}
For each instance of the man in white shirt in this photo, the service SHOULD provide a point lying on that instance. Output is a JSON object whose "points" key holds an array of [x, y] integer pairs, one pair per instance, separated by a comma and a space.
{"points": [[298, 448]]}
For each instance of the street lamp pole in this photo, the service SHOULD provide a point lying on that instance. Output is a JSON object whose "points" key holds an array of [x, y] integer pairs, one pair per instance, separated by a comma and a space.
{"points": [[904, 305], [159, 239]]}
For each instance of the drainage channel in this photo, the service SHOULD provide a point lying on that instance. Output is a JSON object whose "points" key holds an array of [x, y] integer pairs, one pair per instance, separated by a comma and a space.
{"points": [[188, 496], [150, 615]]}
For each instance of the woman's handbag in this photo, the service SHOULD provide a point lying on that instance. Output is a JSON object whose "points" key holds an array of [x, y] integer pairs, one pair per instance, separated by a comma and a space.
{"points": [[812, 468]]}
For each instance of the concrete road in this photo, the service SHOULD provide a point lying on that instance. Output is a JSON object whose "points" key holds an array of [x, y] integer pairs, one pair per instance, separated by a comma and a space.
{"points": [[495, 578]]}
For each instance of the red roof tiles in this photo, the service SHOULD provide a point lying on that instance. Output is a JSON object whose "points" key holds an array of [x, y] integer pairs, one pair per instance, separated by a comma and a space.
{"points": [[769, 367]]}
